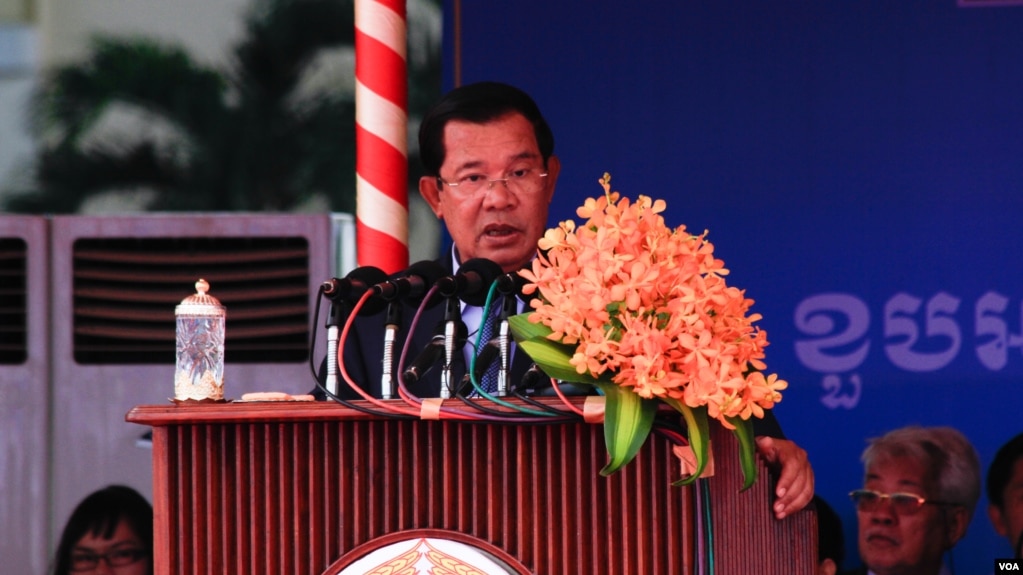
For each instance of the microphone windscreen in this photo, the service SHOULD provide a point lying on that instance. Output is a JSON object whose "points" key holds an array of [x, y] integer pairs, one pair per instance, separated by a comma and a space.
{"points": [[474, 291], [362, 279], [354, 285], [511, 283], [427, 272]]}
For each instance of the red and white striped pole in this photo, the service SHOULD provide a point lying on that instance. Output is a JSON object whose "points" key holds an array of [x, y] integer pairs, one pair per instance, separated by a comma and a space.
{"points": [[381, 140]]}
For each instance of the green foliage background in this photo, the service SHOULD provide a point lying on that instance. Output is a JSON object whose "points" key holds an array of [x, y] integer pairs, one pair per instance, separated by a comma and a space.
{"points": [[251, 137]]}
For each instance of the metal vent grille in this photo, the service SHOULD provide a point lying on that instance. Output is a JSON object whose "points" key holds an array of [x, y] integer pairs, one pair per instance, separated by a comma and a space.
{"points": [[126, 289], [13, 301]]}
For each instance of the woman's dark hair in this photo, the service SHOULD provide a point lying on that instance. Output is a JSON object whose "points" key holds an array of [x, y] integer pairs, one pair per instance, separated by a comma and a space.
{"points": [[99, 514], [478, 103]]}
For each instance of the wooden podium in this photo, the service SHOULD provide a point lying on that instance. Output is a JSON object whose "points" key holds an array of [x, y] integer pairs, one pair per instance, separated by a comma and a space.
{"points": [[308, 488]]}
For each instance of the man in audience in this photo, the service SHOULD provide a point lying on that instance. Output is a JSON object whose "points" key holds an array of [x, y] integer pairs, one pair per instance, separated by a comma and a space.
{"points": [[920, 489], [1005, 492]]}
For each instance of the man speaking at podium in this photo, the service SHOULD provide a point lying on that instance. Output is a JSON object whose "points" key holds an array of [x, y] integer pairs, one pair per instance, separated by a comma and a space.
{"points": [[490, 176]]}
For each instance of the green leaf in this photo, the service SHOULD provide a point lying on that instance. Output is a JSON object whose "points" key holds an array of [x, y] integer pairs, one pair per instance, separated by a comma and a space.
{"points": [[747, 449], [523, 329], [553, 357], [698, 430], [628, 419]]}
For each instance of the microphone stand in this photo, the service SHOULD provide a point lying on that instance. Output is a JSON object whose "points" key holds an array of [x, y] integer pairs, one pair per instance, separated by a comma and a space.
{"points": [[504, 344], [340, 292], [392, 322], [452, 319], [335, 317]]}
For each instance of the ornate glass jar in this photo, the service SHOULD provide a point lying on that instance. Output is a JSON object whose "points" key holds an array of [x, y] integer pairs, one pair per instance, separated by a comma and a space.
{"points": [[199, 370]]}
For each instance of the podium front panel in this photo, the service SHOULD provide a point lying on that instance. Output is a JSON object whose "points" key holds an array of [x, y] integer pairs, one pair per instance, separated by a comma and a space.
{"points": [[282, 488]]}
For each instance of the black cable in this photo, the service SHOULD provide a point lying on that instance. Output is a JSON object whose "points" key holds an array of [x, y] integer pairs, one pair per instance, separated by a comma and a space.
{"points": [[323, 388], [312, 341], [546, 407], [361, 408]]}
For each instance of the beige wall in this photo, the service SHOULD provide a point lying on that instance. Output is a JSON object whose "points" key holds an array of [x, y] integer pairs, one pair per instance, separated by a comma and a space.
{"points": [[17, 62], [15, 11], [35, 34], [207, 27]]}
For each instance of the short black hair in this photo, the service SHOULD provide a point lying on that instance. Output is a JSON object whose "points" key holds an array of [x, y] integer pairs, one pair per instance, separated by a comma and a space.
{"points": [[99, 513], [478, 103], [1000, 471]]}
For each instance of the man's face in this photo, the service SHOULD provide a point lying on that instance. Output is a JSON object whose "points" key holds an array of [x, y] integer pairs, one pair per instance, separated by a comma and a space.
{"points": [[497, 223], [1008, 521], [891, 542]]}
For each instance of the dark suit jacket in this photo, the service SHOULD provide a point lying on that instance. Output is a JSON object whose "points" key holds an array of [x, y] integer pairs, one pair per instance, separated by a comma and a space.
{"points": [[364, 351]]}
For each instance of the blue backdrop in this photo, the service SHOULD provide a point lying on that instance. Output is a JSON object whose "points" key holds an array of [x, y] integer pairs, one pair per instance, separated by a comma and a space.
{"points": [[859, 165]]}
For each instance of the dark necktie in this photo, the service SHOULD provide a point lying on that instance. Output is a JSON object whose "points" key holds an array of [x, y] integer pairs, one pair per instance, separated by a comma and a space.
{"points": [[488, 328]]}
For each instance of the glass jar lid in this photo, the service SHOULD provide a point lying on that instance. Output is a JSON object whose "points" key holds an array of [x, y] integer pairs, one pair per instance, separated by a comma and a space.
{"points": [[200, 303]]}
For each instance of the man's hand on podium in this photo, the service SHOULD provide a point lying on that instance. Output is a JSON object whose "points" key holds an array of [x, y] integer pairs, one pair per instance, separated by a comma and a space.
{"points": [[795, 480]]}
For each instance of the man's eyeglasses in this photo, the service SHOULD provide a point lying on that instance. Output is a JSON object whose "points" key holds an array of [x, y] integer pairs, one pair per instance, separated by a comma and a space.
{"points": [[84, 561], [523, 181], [868, 501]]}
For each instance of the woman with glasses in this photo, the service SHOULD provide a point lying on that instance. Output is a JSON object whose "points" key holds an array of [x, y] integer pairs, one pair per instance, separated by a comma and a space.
{"points": [[920, 489], [111, 531]]}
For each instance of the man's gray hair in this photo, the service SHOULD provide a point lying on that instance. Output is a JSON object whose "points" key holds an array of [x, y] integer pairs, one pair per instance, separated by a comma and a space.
{"points": [[945, 453]]}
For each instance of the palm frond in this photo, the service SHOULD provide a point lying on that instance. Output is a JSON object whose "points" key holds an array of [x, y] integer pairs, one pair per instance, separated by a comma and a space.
{"points": [[68, 176], [140, 71], [251, 137], [283, 37]]}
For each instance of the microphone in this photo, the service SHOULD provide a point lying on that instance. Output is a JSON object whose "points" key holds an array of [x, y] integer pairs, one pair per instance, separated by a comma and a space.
{"points": [[510, 284], [491, 351], [471, 282], [434, 351], [352, 287], [341, 293], [499, 346], [392, 322], [413, 283], [531, 380]]}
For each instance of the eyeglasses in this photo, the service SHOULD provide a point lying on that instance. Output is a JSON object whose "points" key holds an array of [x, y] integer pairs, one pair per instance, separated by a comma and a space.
{"points": [[868, 501], [524, 181], [83, 561]]}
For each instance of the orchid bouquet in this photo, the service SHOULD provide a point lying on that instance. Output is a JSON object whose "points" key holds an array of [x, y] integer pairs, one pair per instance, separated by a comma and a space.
{"points": [[643, 312]]}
